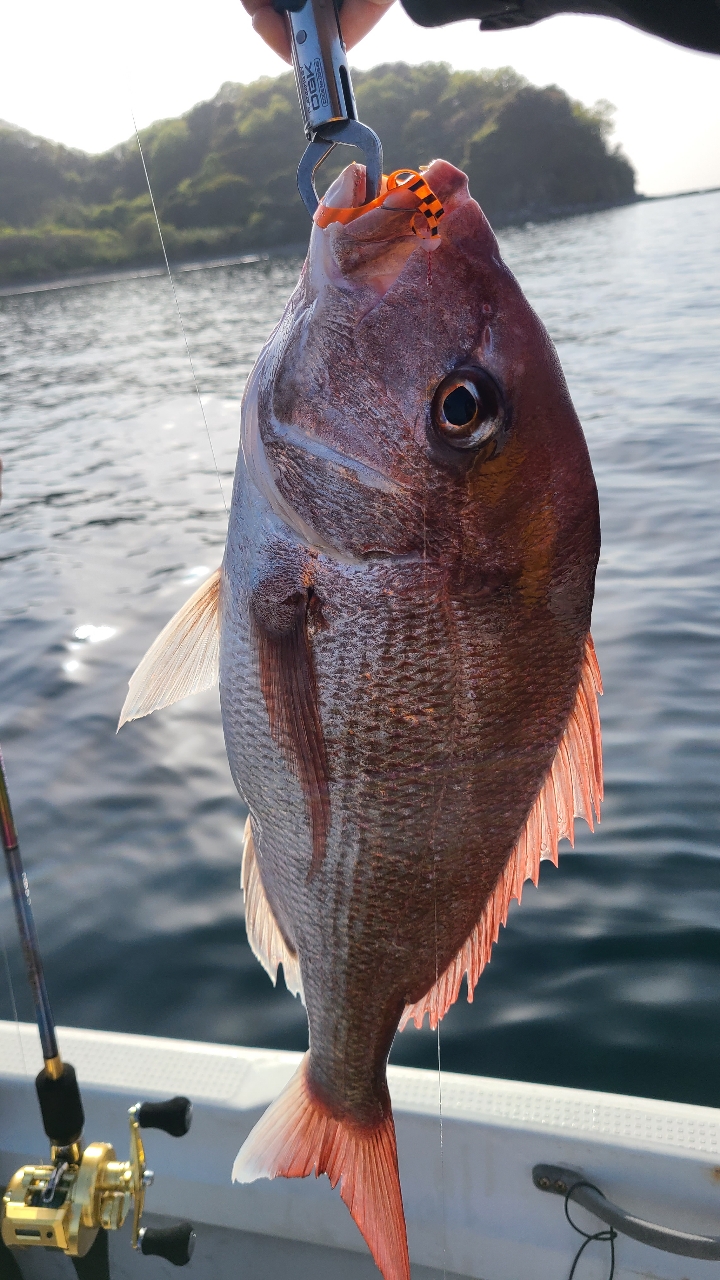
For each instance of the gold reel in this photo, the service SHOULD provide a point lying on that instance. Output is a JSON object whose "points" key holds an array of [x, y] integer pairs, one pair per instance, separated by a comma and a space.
{"points": [[63, 1205]]}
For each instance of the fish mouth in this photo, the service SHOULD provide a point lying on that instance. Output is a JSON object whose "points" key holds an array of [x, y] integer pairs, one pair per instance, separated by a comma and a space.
{"points": [[375, 247], [447, 182]]}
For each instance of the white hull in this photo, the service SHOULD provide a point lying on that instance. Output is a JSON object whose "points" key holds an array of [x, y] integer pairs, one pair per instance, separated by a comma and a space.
{"points": [[660, 1160]]}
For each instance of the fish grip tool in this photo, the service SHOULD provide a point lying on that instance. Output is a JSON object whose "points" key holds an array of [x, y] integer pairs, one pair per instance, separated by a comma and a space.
{"points": [[84, 1188], [327, 101]]}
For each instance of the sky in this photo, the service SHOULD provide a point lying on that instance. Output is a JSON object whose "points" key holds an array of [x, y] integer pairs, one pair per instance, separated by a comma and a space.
{"points": [[77, 72]]}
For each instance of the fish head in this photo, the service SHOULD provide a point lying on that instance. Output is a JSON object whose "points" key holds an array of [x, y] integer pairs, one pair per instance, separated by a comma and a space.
{"points": [[410, 401]]}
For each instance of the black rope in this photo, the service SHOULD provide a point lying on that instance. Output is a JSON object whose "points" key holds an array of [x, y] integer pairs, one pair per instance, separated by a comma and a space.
{"points": [[609, 1234]]}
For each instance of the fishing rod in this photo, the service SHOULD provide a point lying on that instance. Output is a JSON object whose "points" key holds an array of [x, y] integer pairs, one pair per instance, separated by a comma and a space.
{"points": [[327, 101], [84, 1191]]}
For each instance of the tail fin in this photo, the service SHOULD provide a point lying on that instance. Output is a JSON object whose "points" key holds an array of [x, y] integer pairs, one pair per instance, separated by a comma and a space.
{"points": [[298, 1136]]}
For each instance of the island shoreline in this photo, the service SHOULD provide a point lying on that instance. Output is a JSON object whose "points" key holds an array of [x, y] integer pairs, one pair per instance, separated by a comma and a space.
{"points": [[141, 270]]}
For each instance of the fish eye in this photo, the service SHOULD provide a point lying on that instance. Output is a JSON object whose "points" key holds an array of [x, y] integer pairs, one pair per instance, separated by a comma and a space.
{"points": [[467, 409]]}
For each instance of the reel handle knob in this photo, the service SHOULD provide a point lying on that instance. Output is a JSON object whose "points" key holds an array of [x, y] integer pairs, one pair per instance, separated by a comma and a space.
{"points": [[173, 1117], [175, 1244]]}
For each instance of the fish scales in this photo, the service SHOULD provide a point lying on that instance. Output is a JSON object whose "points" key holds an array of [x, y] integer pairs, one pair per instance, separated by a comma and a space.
{"points": [[404, 613]]}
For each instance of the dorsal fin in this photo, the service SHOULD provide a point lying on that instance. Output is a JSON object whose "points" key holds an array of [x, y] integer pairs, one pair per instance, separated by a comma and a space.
{"points": [[573, 788], [266, 940], [183, 659]]}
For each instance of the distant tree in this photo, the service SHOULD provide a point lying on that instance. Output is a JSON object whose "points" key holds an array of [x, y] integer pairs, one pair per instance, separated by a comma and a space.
{"points": [[545, 155], [429, 111], [35, 173], [171, 154], [223, 201]]}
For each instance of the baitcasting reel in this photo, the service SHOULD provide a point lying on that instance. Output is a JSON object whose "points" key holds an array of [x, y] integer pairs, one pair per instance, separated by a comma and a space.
{"points": [[63, 1205], [85, 1189]]}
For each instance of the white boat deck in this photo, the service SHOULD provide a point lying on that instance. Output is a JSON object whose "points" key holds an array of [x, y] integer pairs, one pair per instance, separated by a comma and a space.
{"points": [[472, 1212]]}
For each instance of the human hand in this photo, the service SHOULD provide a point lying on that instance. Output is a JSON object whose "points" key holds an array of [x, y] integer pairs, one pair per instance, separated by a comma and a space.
{"points": [[357, 16]]}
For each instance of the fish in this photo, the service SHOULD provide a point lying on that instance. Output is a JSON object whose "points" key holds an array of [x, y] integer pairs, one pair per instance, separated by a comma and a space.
{"points": [[401, 631]]}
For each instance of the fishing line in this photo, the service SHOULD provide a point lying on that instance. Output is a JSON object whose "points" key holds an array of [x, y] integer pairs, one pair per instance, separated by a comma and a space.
{"points": [[180, 317], [440, 1110], [13, 1004], [434, 824]]}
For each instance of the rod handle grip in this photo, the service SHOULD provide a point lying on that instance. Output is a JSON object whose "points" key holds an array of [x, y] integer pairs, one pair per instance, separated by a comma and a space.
{"points": [[175, 1244], [61, 1106], [173, 1116]]}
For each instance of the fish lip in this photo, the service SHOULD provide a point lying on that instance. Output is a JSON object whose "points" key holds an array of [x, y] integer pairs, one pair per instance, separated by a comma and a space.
{"points": [[448, 183]]}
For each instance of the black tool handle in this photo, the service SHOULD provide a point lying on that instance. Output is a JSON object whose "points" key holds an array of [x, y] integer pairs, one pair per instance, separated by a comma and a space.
{"points": [[173, 1117], [175, 1244], [61, 1106]]}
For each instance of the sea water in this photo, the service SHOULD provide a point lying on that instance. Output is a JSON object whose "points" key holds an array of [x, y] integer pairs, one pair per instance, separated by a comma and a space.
{"points": [[608, 975]]}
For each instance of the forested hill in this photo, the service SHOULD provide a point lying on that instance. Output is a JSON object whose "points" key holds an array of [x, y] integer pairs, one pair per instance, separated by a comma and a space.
{"points": [[224, 174]]}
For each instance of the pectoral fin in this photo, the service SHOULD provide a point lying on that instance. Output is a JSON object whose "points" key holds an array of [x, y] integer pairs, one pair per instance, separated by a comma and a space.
{"points": [[573, 788], [282, 617], [183, 659]]}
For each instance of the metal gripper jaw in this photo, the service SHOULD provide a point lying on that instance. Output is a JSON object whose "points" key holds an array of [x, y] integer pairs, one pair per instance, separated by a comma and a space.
{"points": [[353, 134], [326, 95]]}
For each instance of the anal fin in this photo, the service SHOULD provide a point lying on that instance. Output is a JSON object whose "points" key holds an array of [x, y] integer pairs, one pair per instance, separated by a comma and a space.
{"points": [[266, 940], [573, 788], [183, 660]]}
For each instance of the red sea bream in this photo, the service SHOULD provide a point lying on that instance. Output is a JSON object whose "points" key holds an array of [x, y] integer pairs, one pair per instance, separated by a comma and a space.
{"points": [[407, 678]]}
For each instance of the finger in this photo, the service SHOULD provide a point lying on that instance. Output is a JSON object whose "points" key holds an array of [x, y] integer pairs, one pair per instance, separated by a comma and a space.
{"points": [[271, 26], [357, 17]]}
